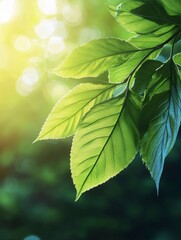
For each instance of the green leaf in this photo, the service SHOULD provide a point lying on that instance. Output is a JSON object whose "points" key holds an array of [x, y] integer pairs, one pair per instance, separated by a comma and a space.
{"points": [[160, 81], [95, 57], [154, 39], [161, 118], [120, 73], [69, 111], [177, 59], [106, 142], [141, 17], [144, 75], [172, 7]]}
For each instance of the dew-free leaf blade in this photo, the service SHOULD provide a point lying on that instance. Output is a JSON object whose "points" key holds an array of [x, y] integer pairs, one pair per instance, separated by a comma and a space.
{"points": [[172, 8], [69, 111], [177, 59], [120, 73], [144, 75], [154, 39], [141, 17], [161, 118], [106, 142], [95, 57]]}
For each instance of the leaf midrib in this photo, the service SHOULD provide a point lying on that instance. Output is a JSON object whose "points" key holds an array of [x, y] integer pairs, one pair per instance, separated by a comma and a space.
{"points": [[67, 119], [99, 155], [99, 58]]}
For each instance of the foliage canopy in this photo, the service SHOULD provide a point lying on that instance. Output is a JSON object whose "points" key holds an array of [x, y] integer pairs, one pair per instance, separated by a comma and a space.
{"points": [[137, 110]]}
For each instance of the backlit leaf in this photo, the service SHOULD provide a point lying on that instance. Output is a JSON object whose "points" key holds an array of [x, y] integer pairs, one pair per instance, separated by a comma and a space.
{"points": [[141, 17], [120, 73], [106, 142], [69, 111], [95, 57]]}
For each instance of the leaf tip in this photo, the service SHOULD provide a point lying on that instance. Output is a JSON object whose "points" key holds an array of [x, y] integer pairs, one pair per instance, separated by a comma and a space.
{"points": [[157, 182], [78, 195], [36, 140]]}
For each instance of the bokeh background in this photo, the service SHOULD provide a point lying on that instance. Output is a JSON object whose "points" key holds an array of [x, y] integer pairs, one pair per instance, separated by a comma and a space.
{"points": [[36, 190]]}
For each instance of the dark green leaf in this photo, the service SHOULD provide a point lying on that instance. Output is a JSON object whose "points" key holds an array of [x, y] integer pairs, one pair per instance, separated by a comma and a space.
{"points": [[144, 75], [161, 118], [172, 7]]}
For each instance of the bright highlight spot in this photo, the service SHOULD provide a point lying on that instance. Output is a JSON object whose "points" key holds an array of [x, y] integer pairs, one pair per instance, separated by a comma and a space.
{"points": [[31, 238], [88, 34], [22, 43], [27, 81], [45, 28], [30, 76], [72, 14], [48, 7], [56, 90], [61, 29], [7, 10], [55, 45]]}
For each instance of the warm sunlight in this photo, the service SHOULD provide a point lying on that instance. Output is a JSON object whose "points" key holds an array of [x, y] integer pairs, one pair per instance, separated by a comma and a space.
{"points": [[7, 10], [27, 81], [45, 28], [48, 7], [22, 43]]}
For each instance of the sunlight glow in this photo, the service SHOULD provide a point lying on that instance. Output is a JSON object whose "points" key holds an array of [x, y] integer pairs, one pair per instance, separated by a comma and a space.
{"points": [[55, 45], [22, 43], [45, 28], [72, 14], [27, 81], [48, 7], [88, 34], [61, 29], [54, 90], [7, 10]]}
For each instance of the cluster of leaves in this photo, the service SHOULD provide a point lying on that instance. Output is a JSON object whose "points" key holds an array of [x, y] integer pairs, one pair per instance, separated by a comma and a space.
{"points": [[137, 110]]}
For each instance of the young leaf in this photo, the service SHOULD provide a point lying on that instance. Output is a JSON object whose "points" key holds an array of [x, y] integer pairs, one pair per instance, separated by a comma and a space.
{"points": [[120, 73], [95, 57], [106, 142], [69, 111], [161, 118]]}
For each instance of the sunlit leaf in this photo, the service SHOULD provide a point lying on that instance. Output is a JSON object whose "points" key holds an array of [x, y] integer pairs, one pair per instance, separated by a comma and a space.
{"points": [[161, 118], [141, 17], [95, 57], [69, 111], [106, 142], [154, 39], [122, 72]]}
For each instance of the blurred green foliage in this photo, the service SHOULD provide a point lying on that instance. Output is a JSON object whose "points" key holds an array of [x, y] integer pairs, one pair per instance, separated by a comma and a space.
{"points": [[36, 190]]}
